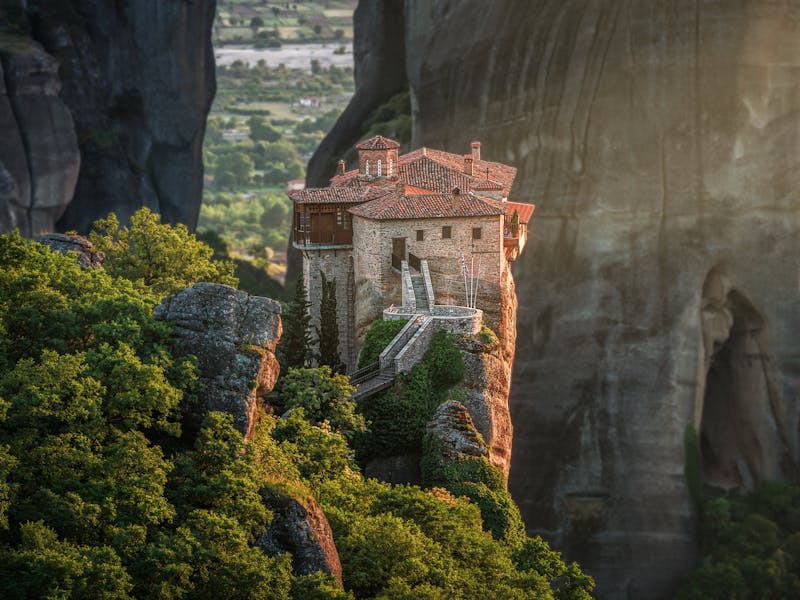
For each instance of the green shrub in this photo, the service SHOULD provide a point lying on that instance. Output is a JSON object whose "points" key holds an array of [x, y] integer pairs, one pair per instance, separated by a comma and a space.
{"points": [[445, 361], [323, 395], [499, 512], [378, 336], [486, 335]]}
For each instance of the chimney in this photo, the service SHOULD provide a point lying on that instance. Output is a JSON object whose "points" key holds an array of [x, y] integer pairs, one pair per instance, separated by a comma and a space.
{"points": [[340, 168], [476, 150], [468, 164]]}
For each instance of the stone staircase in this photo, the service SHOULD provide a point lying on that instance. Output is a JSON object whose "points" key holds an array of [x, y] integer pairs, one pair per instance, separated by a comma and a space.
{"points": [[420, 294], [380, 375]]}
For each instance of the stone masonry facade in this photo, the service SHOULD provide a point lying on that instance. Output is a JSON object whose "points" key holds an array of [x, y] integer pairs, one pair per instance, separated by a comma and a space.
{"points": [[427, 205]]}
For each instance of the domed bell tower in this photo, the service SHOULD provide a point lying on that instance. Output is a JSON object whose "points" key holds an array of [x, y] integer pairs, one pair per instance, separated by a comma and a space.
{"points": [[377, 157]]}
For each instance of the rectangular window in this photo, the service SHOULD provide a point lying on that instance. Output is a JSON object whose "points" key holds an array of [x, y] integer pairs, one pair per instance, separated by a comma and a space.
{"points": [[344, 220], [446, 232], [476, 233], [420, 235], [303, 221]]}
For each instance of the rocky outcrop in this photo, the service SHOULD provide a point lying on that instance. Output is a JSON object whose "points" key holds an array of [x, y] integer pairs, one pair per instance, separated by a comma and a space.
{"points": [[233, 335], [300, 527], [659, 142], [77, 245], [487, 378], [454, 432], [39, 158], [137, 79]]}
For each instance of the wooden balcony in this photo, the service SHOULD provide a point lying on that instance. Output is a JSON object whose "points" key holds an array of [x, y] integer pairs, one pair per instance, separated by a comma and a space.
{"points": [[323, 238]]}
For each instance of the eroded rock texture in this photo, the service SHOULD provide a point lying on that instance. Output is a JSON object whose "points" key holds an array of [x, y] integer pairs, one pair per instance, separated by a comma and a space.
{"points": [[660, 143], [233, 335], [137, 78], [75, 245], [300, 527], [39, 158]]}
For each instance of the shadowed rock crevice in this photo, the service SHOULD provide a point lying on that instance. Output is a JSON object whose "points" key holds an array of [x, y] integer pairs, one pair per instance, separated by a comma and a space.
{"points": [[742, 427], [121, 89]]}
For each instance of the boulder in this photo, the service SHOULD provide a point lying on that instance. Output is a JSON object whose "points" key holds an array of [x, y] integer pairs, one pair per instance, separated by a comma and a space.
{"points": [[233, 335], [452, 427], [300, 527], [78, 245]]}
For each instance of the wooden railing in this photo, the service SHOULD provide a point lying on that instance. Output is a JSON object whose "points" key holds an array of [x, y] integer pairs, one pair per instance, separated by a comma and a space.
{"points": [[323, 237], [413, 262]]}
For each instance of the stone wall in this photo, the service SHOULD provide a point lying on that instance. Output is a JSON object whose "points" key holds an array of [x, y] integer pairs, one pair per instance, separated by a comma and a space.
{"points": [[458, 320], [337, 265], [373, 248]]}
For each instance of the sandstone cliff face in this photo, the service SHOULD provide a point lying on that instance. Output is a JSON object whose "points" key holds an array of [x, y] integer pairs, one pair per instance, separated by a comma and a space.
{"points": [[233, 335], [660, 144], [137, 79], [300, 527], [487, 377]]}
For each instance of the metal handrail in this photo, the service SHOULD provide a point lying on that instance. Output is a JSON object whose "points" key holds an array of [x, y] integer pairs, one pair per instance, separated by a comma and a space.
{"points": [[364, 373]]}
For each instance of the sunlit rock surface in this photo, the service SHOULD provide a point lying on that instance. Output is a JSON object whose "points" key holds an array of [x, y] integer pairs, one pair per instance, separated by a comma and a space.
{"points": [[660, 144], [233, 335], [300, 527]]}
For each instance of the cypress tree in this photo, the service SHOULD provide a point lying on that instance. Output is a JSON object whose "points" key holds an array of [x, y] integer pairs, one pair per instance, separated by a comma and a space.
{"points": [[294, 349], [328, 330]]}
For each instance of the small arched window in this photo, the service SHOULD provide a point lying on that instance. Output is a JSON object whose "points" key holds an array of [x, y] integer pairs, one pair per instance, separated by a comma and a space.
{"points": [[379, 168], [367, 166]]}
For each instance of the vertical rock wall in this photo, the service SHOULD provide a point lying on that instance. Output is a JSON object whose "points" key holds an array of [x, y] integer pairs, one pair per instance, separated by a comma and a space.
{"points": [[659, 142], [39, 158], [137, 78]]}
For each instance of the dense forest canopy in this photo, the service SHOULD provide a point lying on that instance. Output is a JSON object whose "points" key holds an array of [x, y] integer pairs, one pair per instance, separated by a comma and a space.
{"points": [[102, 494]]}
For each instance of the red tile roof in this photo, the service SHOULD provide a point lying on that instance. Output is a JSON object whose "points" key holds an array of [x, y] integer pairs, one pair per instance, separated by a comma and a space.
{"points": [[377, 142], [340, 195], [411, 190], [523, 210], [486, 185], [426, 206], [441, 171]]}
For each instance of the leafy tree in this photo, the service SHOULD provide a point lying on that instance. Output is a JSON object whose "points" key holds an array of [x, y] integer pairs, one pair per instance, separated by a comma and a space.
{"points": [[160, 257], [751, 545], [261, 130], [324, 396], [328, 330], [379, 334], [294, 349], [317, 452], [240, 167]]}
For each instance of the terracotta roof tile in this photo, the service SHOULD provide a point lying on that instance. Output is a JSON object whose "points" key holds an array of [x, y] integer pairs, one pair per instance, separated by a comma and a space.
{"points": [[426, 206], [340, 195], [525, 211], [411, 190], [377, 142], [486, 185]]}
